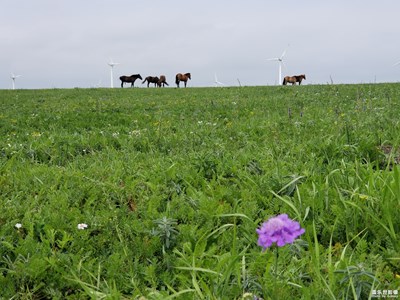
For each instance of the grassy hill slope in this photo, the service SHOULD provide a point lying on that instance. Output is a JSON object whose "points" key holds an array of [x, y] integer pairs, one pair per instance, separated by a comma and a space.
{"points": [[173, 183]]}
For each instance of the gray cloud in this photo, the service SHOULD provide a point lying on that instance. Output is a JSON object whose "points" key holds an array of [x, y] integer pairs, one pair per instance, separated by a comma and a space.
{"points": [[68, 43]]}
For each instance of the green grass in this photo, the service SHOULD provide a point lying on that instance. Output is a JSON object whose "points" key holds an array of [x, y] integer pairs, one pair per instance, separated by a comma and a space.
{"points": [[174, 182]]}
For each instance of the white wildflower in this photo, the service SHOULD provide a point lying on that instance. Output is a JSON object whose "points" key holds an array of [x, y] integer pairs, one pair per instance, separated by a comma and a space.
{"points": [[82, 226]]}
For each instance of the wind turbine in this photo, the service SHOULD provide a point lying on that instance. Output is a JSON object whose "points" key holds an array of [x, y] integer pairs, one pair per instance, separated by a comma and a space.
{"points": [[112, 64], [217, 83], [13, 77], [97, 85], [280, 61]]}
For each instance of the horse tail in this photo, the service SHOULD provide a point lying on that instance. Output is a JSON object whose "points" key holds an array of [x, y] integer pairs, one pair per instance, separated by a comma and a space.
{"points": [[177, 79], [144, 80], [284, 81]]}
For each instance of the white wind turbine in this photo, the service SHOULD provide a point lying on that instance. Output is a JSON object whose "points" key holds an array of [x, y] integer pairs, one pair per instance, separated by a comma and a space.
{"points": [[280, 61], [98, 84], [13, 77], [217, 83], [112, 64]]}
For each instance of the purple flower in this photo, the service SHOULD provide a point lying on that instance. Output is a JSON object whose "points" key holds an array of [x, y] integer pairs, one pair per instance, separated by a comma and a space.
{"points": [[280, 230]]}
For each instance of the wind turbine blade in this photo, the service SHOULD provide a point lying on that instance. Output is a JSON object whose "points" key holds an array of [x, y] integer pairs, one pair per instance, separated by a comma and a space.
{"points": [[275, 59], [398, 63], [284, 52], [216, 80]]}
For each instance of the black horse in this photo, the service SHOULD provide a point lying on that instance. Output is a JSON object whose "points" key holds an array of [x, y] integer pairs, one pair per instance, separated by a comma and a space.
{"points": [[131, 79], [151, 79]]}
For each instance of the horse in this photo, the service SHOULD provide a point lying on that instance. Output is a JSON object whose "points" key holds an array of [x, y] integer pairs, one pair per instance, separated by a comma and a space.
{"points": [[131, 79], [182, 77], [151, 79], [162, 81], [293, 79]]}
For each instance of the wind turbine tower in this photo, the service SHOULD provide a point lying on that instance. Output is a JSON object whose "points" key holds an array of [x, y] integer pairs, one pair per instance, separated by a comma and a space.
{"points": [[280, 61], [112, 64], [13, 77]]}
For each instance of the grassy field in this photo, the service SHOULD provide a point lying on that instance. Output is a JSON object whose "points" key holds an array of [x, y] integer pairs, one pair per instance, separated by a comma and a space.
{"points": [[173, 183]]}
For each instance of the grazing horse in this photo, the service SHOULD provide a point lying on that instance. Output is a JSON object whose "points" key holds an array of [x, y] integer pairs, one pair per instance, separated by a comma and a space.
{"points": [[293, 79], [151, 79], [182, 77], [163, 81], [131, 79]]}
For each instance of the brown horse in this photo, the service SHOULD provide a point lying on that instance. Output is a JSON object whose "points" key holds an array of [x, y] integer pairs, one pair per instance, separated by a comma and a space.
{"points": [[131, 79], [163, 81], [151, 79], [182, 77], [293, 79]]}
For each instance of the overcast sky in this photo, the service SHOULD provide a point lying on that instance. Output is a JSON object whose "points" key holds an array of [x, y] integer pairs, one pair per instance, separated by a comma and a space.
{"points": [[66, 44]]}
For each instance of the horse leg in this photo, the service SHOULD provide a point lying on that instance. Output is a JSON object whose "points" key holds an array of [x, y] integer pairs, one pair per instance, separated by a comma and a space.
{"points": [[122, 84]]}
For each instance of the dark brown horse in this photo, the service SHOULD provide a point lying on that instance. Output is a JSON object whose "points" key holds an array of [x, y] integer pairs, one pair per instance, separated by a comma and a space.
{"points": [[163, 81], [293, 79], [182, 77], [131, 79], [151, 79]]}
